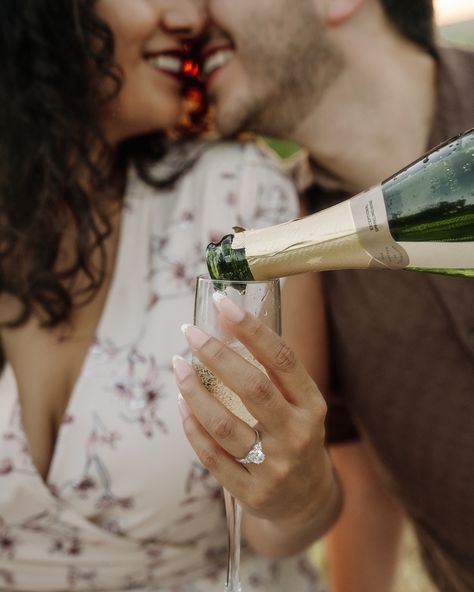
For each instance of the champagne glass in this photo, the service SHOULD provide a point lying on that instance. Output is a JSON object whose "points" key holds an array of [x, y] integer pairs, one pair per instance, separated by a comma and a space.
{"points": [[262, 299]]}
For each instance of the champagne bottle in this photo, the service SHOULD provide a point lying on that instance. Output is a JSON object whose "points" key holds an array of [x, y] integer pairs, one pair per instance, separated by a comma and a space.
{"points": [[420, 219]]}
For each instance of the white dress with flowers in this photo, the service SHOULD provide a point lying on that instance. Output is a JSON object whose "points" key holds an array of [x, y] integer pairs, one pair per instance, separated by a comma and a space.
{"points": [[126, 505]]}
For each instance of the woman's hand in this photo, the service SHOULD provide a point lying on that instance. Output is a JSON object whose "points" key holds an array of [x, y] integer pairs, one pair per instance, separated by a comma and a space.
{"points": [[292, 496]]}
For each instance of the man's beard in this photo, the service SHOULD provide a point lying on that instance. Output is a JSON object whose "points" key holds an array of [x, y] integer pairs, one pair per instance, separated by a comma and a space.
{"points": [[289, 63]]}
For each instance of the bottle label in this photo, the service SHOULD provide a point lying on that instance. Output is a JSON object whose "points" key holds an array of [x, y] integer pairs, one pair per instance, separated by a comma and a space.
{"points": [[371, 223]]}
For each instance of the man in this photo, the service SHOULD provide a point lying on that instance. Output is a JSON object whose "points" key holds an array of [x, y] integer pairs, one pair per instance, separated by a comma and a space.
{"points": [[363, 87]]}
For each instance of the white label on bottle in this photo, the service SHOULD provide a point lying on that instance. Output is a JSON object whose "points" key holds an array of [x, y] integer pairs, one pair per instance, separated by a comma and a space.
{"points": [[440, 255], [371, 222]]}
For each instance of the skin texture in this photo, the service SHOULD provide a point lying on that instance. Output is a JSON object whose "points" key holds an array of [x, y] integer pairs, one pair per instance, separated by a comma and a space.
{"points": [[149, 99], [46, 362], [339, 79], [292, 497], [283, 513], [268, 85]]}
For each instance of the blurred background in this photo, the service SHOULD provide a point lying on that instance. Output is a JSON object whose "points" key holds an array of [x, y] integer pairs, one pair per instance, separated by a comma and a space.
{"points": [[455, 19]]}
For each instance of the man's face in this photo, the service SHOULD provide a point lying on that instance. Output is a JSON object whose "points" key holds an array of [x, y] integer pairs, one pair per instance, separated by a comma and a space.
{"points": [[267, 62]]}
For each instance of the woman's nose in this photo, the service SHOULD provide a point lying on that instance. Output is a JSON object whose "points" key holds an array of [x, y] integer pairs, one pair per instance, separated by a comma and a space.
{"points": [[186, 18]]}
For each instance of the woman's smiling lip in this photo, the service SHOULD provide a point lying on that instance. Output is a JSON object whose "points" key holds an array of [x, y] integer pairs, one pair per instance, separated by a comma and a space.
{"points": [[167, 61]]}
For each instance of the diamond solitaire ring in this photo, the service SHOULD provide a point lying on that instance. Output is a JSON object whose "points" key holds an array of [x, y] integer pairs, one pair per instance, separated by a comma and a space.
{"points": [[255, 456]]}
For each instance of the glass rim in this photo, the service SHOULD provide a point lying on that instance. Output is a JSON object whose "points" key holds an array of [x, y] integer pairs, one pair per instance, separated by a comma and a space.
{"points": [[205, 277]]}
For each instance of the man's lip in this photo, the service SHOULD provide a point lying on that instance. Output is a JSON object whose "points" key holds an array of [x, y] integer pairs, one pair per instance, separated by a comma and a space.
{"points": [[210, 49], [211, 60]]}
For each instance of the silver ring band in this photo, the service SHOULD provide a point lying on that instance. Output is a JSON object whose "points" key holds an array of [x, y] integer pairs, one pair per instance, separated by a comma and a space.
{"points": [[255, 456]]}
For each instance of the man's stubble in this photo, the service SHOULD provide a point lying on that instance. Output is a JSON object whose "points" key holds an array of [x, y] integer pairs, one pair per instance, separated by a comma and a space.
{"points": [[289, 63]]}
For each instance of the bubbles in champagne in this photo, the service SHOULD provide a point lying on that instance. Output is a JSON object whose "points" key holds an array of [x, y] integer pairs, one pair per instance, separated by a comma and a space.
{"points": [[226, 396]]}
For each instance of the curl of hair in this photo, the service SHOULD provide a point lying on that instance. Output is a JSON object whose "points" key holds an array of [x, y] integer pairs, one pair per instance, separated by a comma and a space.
{"points": [[56, 57], [414, 19]]}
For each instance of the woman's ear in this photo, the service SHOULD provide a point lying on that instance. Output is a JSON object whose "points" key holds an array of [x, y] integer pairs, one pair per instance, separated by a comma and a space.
{"points": [[338, 11]]}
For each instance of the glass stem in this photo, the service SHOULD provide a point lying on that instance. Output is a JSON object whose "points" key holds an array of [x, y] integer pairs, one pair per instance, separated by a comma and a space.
{"points": [[234, 518]]}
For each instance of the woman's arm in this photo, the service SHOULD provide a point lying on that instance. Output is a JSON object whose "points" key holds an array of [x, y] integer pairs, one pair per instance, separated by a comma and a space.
{"points": [[293, 497], [364, 545]]}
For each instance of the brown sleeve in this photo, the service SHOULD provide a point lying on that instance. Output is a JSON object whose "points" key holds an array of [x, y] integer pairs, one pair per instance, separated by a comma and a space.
{"points": [[339, 425]]}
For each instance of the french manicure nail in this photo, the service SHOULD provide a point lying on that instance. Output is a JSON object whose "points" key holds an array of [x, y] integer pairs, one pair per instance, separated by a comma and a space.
{"points": [[231, 311], [184, 410], [181, 368], [196, 338]]}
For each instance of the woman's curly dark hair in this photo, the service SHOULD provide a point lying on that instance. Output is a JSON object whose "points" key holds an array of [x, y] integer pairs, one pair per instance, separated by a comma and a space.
{"points": [[55, 56]]}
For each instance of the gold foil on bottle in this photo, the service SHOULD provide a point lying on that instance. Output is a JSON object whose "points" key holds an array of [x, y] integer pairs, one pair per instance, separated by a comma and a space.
{"points": [[325, 240], [341, 237]]}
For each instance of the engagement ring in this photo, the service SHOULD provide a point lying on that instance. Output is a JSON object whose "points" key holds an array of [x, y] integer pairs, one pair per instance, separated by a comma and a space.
{"points": [[255, 456]]}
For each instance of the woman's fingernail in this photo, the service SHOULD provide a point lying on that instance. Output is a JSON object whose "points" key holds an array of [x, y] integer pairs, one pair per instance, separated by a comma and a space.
{"points": [[229, 309], [181, 368], [184, 410], [196, 338]]}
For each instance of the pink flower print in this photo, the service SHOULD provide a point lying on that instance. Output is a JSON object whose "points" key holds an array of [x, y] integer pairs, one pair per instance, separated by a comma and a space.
{"points": [[6, 466], [85, 485], [77, 578], [17, 438], [154, 552], [216, 555], [260, 212], [54, 490], [153, 299], [7, 545], [115, 527], [7, 577], [231, 198], [200, 477], [158, 243], [99, 437], [169, 275], [64, 539], [8, 541], [107, 501], [179, 271], [200, 485], [306, 569], [65, 546], [187, 216], [140, 391], [214, 237], [227, 175], [67, 419]]}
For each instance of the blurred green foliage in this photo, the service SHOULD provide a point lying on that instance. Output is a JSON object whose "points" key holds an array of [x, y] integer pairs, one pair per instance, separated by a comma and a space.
{"points": [[281, 147]]}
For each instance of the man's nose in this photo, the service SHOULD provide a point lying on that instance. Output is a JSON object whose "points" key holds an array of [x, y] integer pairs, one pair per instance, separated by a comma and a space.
{"points": [[186, 18]]}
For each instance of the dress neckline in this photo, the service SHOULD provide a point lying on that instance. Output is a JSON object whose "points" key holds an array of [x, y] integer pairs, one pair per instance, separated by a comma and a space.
{"points": [[105, 326]]}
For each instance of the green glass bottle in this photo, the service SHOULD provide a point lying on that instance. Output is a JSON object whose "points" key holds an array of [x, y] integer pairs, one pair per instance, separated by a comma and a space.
{"points": [[421, 219]]}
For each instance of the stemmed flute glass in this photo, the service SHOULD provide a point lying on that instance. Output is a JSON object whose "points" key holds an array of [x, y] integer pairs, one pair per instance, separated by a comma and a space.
{"points": [[262, 299]]}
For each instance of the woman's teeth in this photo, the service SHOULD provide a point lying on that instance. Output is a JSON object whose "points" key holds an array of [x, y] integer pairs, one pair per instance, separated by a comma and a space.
{"points": [[167, 63], [216, 60]]}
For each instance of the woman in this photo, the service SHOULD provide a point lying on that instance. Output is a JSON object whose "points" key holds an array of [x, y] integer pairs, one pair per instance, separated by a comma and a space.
{"points": [[99, 489]]}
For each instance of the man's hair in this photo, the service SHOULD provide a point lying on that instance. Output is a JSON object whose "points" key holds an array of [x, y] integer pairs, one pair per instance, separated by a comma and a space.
{"points": [[414, 19]]}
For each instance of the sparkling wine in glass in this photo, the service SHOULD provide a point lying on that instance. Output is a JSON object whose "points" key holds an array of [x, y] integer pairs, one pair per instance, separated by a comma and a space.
{"points": [[262, 299]]}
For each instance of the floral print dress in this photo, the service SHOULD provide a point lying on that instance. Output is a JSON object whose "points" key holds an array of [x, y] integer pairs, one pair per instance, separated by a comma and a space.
{"points": [[126, 504]]}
